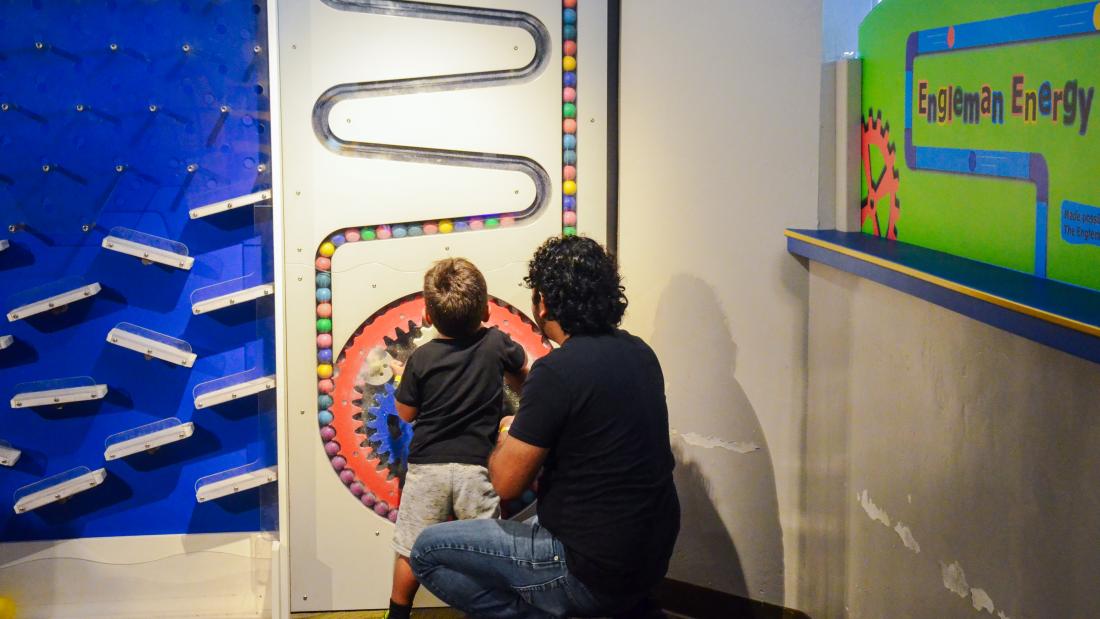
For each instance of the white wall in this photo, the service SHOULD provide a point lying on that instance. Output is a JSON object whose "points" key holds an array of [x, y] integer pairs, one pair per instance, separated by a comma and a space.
{"points": [[719, 153]]}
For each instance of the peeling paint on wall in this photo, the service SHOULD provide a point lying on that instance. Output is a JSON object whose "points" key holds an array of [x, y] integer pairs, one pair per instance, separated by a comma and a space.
{"points": [[872, 510], [907, 537], [711, 442], [981, 600], [954, 578]]}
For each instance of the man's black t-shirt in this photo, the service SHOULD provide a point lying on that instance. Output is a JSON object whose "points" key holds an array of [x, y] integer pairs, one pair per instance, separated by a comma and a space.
{"points": [[458, 388], [598, 404]]}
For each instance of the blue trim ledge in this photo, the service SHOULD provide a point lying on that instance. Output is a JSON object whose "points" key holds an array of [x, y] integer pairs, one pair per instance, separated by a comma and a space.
{"points": [[1058, 315]]}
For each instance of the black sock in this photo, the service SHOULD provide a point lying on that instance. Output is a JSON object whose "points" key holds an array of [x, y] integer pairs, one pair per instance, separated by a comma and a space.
{"points": [[398, 611]]}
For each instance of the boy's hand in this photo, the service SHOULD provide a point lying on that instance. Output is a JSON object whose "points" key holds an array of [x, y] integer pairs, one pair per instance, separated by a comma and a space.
{"points": [[502, 429]]}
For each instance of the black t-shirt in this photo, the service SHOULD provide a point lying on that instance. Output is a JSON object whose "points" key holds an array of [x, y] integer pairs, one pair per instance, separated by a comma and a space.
{"points": [[457, 386], [598, 404]]}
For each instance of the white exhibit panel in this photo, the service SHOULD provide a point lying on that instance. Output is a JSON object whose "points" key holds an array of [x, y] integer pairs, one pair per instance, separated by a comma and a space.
{"points": [[146, 438], [152, 344], [232, 387], [8, 455], [57, 392], [233, 481], [227, 205], [57, 488], [53, 296], [229, 293], [148, 248], [6, 341]]}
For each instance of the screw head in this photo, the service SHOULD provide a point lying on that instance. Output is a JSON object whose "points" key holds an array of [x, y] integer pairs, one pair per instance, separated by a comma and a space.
{"points": [[152, 107], [119, 168], [80, 107], [39, 45], [186, 48], [261, 168], [113, 47], [191, 167], [257, 49], [223, 109], [5, 107], [86, 228], [46, 168]]}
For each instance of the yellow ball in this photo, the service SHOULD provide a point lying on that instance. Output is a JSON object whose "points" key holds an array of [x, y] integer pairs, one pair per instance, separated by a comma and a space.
{"points": [[446, 227], [324, 370], [569, 63], [327, 249], [7, 608], [569, 187]]}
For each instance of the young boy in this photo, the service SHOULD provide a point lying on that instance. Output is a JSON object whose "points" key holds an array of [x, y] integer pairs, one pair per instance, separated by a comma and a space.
{"points": [[452, 387]]}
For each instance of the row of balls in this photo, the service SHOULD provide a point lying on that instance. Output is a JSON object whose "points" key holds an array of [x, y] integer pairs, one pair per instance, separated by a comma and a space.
{"points": [[569, 118], [347, 476]]}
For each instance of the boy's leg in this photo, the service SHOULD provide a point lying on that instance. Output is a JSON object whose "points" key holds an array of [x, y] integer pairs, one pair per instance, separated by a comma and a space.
{"points": [[425, 500], [473, 494], [500, 568]]}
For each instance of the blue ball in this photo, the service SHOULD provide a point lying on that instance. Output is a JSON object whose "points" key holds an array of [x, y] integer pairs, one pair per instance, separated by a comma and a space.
{"points": [[399, 232], [338, 239], [324, 280], [416, 231], [569, 78], [569, 141], [461, 226], [324, 401], [569, 203], [569, 31], [324, 418], [569, 16], [324, 355], [324, 294], [569, 157]]}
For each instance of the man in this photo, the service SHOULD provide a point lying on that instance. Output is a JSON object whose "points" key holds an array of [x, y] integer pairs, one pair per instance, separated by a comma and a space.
{"points": [[593, 418]]}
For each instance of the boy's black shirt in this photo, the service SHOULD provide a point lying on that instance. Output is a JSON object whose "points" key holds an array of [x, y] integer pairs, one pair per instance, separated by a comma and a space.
{"points": [[458, 388], [606, 491]]}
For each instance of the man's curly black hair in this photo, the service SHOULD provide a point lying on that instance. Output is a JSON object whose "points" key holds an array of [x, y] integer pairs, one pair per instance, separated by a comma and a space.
{"points": [[579, 283]]}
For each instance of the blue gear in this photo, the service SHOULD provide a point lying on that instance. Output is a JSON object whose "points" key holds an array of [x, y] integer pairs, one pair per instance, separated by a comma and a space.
{"points": [[393, 450]]}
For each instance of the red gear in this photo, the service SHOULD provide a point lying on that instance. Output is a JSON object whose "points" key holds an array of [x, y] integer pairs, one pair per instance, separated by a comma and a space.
{"points": [[877, 134]]}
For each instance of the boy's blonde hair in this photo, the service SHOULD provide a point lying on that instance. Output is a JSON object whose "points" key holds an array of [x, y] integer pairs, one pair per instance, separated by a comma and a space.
{"points": [[455, 296]]}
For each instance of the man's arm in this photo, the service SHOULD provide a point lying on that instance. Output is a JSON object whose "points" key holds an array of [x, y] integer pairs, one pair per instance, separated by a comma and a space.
{"points": [[514, 463], [406, 412]]}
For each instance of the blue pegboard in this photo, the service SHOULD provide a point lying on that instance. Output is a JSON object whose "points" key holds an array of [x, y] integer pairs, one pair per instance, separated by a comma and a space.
{"points": [[129, 113]]}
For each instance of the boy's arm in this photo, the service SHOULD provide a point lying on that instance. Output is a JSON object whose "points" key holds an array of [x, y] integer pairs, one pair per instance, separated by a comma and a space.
{"points": [[514, 463], [406, 412], [515, 380]]}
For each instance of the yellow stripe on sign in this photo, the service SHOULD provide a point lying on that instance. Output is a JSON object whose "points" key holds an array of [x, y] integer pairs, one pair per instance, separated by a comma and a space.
{"points": [[1015, 306]]}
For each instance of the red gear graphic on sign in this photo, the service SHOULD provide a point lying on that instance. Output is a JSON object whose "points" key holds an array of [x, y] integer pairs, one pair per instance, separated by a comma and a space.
{"points": [[885, 187]]}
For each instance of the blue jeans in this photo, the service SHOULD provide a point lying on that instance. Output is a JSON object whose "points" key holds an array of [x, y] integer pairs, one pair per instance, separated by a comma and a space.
{"points": [[500, 568]]}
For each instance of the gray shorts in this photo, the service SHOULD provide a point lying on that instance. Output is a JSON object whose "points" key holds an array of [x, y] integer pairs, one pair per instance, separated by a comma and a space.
{"points": [[435, 492]]}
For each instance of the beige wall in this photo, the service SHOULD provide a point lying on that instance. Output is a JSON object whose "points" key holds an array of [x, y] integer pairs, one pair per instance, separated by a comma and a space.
{"points": [[719, 145], [978, 447]]}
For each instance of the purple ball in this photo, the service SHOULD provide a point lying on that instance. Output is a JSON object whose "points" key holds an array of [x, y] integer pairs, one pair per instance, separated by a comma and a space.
{"points": [[357, 488], [332, 448], [328, 433], [368, 499], [381, 508], [324, 355], [392, 515], [569, 203], [338, 463], [347, 476]]}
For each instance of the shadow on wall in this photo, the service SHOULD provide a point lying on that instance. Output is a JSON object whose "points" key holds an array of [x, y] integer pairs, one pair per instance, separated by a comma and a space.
{"points": [[730, 537]]}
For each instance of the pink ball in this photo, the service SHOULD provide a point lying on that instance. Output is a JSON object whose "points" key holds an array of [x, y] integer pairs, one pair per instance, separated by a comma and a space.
{"points": [[347, 476], [392, 515], [324, 340], [338, 463], [569, 125], [507, 221], [328, 433], [569, 218], [357, 488], [569, 94], [381, 508], [477, 224], [332, 448], [569, 173], [324, 310], [325, 386], [351, 236], [369, 499], [569, 48], [323, 264], [383, 232], [431, 228]]}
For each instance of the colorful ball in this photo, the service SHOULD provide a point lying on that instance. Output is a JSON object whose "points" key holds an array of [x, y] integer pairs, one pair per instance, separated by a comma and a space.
{"points": [[430, 228], [569, 3], [569, 63], [569, 188], [324, 325], [569, 231], [381, 508], [569, 78], [569, 47], [324, 418], [446, 227], [327, 249], [569, 203], [357, 488], [332, 448], [324, 370], [416, 231], [338, 240], [325, 386], [399, 232], [476, 224], [347, 476], [368, 499], [569, 218], [569, 141], [569, 110], [383, 232], [338, 463], [328, 433], [324, 294], [323, 264], [568, 94], [491, 222], [461, 226], [324, 340], [569, 172], [324, 355], [324, 280], [324, 310], [366, 234], [392, 515], [506, 222], [569, 125], [569, 31], [352, 236], [324, 401], [569, 157], [569, 16]]}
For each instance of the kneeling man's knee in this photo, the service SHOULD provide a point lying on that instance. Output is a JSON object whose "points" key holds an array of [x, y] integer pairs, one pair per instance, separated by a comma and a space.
{"points": [[420, 557]]}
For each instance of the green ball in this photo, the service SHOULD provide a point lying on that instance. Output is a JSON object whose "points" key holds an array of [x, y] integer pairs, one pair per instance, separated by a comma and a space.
{"points": [[367, 234], [492, 222], [569, 231], [569, 110], [324, 325]]}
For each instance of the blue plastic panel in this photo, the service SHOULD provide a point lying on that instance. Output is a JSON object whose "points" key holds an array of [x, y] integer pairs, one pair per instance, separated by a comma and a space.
{"points": [[129, 113]]}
